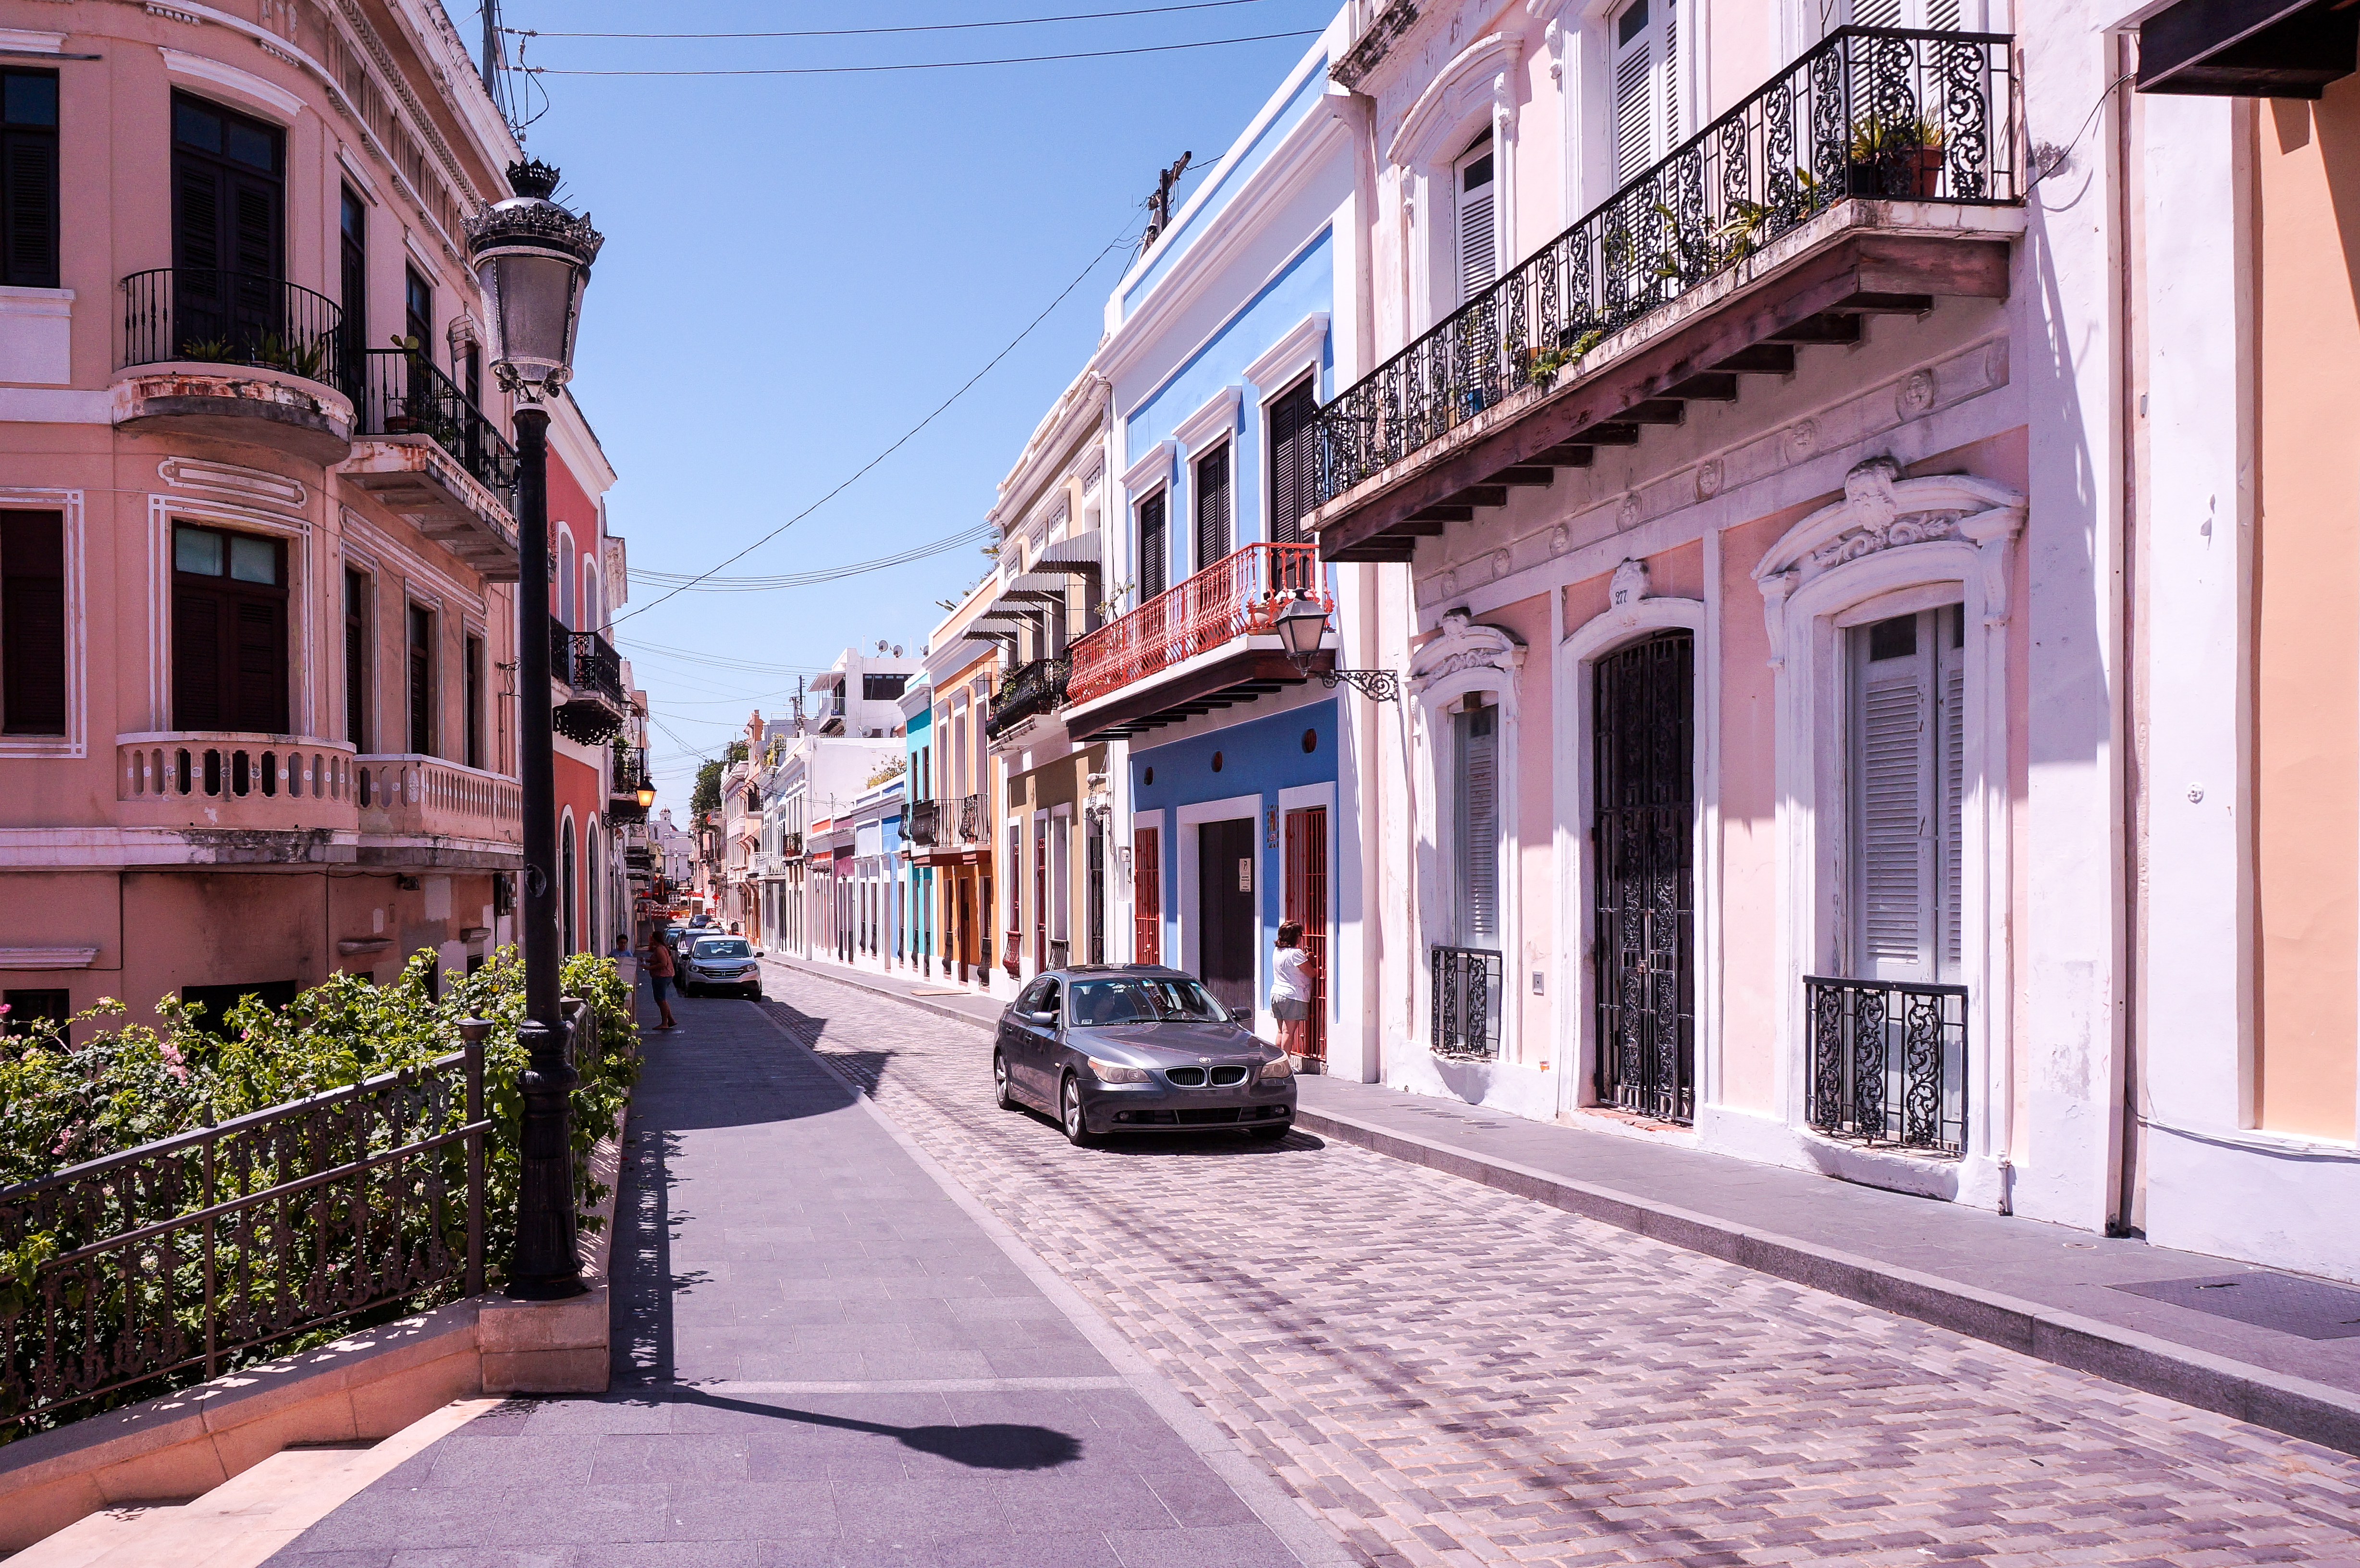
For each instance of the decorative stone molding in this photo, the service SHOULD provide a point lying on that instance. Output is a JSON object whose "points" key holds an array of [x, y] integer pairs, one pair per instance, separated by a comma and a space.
{"points": [[1464, 645], [1708, 479], [228, 479], [1881, 511]]}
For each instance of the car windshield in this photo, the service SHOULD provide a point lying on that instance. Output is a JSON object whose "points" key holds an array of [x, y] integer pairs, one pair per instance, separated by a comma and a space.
{"points": [[1141, 999], [723, 947]]}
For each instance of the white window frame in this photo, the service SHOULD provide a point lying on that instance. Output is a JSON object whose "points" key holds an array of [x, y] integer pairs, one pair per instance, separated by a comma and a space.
{"points": [[1893, 544], [75, 741], [1476, 88], [1465, 658]]}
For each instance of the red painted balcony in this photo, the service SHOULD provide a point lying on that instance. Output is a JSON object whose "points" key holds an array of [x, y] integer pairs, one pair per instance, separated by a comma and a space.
{"points": [[1204, 643]]}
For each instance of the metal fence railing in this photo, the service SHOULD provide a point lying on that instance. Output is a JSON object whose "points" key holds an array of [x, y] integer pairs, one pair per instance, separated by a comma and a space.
{"points": [[1469, 985], [400, 392], [1888, 1062], [208, 314], [1877, 112], [195, 1251], [1237, 595]]}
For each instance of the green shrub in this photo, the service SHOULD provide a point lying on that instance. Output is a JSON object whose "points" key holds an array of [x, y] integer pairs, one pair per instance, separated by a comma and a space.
{"points": [[121, 1085]]}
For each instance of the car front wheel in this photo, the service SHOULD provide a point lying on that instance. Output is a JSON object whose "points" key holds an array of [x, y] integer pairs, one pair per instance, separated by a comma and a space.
{"points": [[1077, 1132]]}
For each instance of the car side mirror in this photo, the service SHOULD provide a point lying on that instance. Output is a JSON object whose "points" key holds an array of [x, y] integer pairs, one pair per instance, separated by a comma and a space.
{"points": [[1048, 1019]]}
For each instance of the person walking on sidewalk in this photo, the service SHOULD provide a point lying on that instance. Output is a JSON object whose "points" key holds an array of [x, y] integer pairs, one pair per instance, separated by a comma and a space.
{"points": [[660, 973], [1290, 988]]}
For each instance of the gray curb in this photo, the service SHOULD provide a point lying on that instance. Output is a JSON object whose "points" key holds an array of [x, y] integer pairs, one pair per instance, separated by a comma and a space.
{"points": [[2315, 1412]]}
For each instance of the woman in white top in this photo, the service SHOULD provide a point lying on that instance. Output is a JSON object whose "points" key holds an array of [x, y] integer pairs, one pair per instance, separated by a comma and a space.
{"points": [[1290, 988]]}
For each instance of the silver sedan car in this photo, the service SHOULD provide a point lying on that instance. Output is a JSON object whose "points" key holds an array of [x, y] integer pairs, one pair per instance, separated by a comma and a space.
{"points": [[1112, 1047]]}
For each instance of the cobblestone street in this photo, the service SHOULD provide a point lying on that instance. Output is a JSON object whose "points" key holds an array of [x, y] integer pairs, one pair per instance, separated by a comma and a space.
{"points": [[1447, 1374]]}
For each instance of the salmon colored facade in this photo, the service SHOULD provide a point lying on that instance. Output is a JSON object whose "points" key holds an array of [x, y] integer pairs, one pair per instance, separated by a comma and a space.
{"points": [[256, 518]]}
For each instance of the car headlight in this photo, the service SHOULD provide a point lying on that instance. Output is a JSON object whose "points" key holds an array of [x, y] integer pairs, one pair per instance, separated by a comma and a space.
{"points": [[1281, 1068], [1115, 1072]]}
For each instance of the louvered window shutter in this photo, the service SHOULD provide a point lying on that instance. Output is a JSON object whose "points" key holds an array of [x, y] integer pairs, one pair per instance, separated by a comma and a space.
{"points": [[1478, 846], [32, 624], [196, 614], [1154, 548], [1293, 472], [1212, 507], [356, 586], [1879, 14], [254, 239], [28, 207], [1895, 811], [1479, 248], [261, 665], [421, 681], [197, 201]]}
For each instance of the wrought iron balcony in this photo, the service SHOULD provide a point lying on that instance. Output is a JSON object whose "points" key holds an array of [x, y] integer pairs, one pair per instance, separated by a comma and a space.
{"points": [[592, 671], [1468, 986], [972, 826], [791, 845], [1236, 598], [1889, 1062], [1560, 356], [210, 315], [924, 825], [630, 771], [399, 393], [192, 338], [1030, 690]]}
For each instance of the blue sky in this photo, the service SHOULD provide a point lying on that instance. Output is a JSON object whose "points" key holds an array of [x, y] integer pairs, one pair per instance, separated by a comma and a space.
{"points": [[798, 268]]}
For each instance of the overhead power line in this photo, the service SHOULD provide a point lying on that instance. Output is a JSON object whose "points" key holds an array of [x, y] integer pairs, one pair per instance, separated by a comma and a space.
{"points": [[710, 584], [930, 28], [924, 65], [1120, 242]]}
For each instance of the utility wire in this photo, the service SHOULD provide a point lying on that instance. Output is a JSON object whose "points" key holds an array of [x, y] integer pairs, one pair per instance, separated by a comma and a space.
{"points": [[710, 584], [925, 65], [866, 32], [1121, 240]]}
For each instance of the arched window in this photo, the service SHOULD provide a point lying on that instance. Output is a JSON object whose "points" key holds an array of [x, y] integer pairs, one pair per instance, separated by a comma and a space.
{"points": [[595, 894], [565, 578], [592, 620], [565, 884]]}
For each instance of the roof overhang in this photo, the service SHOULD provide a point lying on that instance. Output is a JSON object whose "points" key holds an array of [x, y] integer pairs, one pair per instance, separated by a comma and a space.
{"points": [[2249, 49]]}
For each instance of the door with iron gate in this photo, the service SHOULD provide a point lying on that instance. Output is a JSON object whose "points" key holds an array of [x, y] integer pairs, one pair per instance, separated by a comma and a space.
{"points": [[1644, 903]]}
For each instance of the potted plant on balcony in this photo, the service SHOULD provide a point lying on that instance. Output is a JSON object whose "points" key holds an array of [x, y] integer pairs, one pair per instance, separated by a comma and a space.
{"points": [[1898, 158]]}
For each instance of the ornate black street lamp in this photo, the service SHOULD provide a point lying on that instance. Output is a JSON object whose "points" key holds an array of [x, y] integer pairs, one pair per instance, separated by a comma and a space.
{"points": [[1301, 626], [533, 258]]}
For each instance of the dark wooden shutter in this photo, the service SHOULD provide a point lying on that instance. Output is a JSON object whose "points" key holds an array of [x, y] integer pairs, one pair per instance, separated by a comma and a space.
{"points": [[259, 662], [1293, 475], [32, 624], [198, 198], [28, 209], [197, 616], [1212, 507], [1154, 549], [357, 587], [1147, 884], [473, 675], [421, 681], [254, 233]]}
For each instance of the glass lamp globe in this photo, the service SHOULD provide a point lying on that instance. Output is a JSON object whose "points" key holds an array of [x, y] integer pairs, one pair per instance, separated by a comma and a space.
{"points": [[533, 258]]}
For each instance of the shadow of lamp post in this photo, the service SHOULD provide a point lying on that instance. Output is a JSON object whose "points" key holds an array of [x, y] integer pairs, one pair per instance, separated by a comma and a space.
{"points": [[533, 258]]}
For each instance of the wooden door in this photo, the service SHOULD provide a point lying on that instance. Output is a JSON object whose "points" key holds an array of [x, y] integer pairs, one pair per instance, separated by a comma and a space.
{"points": [[1147, 888], [1307, 901]]}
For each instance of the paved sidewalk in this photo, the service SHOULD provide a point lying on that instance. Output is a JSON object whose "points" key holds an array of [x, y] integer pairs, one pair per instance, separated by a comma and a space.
{"points": [[2044, 1290], [824, 1355]]}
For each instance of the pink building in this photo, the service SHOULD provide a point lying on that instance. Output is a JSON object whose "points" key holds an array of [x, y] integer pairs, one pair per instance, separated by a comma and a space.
{"points": [[257, 645]]}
